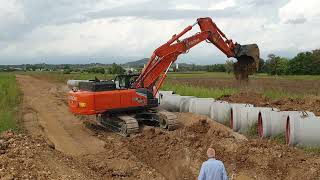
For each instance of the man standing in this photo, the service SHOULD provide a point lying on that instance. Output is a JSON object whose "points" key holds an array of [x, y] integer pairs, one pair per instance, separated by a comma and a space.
{"points": [[212, 169]]}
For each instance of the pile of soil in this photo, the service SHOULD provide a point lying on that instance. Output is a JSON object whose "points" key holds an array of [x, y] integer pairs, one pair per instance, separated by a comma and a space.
{"points": [[179, 155], [19, 157], [248, 97], [310, 103]]}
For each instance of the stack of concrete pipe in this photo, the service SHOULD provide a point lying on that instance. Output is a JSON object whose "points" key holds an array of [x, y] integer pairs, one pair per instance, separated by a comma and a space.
{"points": [[303, 130], [300, 128], [242, 118], [273, 123], [220, 110]]}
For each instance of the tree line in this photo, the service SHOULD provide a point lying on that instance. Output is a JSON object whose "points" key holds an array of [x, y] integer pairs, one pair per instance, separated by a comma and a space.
{"points": [[304, 63]]}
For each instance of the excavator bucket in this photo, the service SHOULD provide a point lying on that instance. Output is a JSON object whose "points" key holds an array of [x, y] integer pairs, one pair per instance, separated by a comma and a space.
{"points": [[248, 57]]}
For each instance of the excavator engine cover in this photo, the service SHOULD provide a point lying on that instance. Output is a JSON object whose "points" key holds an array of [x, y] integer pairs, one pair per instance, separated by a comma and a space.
{"points": [[248, 57]]}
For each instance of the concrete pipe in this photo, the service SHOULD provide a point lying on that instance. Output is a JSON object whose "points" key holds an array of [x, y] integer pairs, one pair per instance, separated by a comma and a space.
{"points": [[200, 105], [242, 118], [272, 123], [172, 102], [220, 110], [75, 83], [160, 94], [303, 130], [185, 104], [164, 98]]}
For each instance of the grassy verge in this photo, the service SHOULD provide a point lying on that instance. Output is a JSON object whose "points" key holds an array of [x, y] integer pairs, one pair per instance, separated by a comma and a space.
{"points": [[187, 90], [61, 77], [279, 138], [184, 87], [252, 131], [313, 150], [9, 102], [277, 94]]}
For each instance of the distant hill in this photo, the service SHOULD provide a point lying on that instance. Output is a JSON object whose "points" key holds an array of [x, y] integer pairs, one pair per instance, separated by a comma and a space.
{"points": [[138, 63]]}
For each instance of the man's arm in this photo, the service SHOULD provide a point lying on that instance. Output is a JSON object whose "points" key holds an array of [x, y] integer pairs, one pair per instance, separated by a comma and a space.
{"points": [[202, 174], [224, 172]]}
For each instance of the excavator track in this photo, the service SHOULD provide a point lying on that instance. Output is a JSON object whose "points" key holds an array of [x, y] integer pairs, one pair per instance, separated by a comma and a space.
{"points": [[168, 120], [129, 126], [123, 125]]}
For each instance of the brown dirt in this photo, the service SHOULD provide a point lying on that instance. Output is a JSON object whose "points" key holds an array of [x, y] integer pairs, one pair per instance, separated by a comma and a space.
{"points": [[179, 155], [309, 103], [152, 154], [61, 146]]}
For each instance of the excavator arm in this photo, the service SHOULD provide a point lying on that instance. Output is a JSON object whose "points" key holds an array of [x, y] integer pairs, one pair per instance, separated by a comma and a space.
{"points": [[155, 71]]}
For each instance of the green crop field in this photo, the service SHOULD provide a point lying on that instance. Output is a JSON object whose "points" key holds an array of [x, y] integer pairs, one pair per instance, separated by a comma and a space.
{"points": [[9, 102], [217, 84], [61, 77]]}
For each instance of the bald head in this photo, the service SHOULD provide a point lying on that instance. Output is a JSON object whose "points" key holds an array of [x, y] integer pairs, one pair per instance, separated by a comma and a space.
{"points": [[211, 153]]}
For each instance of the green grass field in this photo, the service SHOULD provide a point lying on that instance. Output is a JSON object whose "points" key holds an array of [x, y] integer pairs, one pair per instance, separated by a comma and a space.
{"points": [[9, 102], [196, 91], [61, 77]]}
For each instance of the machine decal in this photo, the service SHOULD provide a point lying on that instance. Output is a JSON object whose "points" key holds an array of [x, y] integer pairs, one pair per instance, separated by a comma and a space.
{"points": [[139, 100]]}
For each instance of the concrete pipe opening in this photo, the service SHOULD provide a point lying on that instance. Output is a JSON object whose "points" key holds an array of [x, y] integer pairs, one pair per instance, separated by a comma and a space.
{"points": [[273, 123], [243, 118], [260, 125], [220, 111], [287, 134], [303, 130], [231, 118]]}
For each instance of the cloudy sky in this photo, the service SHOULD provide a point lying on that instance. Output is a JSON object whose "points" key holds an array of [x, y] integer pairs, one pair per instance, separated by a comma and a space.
{"points": [[106, 31]]}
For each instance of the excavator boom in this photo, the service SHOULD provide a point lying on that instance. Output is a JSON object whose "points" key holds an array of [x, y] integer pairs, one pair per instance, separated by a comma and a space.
{"points": [[165, 55]]}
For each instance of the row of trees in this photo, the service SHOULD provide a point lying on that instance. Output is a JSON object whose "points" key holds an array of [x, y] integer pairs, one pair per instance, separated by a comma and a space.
{"points": [[113, 69], [305, 63]]}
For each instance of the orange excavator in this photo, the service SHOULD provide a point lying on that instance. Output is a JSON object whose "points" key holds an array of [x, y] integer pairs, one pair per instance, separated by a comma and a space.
{"points": [[130, 100]]}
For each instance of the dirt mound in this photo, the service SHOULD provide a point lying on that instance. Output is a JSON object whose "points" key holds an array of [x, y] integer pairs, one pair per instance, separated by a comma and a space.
{"points": [[26, 157], [247, 97], [179, 155], [17, 157], [311, 103]]}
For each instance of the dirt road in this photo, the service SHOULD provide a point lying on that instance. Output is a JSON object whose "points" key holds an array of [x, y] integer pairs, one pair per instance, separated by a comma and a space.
{"points": [[57, 145], [69, 149], [45, 113]]}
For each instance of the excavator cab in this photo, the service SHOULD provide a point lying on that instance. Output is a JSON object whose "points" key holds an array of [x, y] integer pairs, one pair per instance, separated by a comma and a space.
{"points": [[248, 57], [125, 81]]}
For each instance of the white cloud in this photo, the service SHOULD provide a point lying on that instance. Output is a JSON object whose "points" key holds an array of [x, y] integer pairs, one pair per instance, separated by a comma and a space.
{"points": [[222, 5], [58, 30], [300, 9]]}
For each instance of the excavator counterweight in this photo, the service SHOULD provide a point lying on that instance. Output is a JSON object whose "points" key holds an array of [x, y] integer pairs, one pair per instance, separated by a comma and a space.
{"points": [[130, 100]]}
